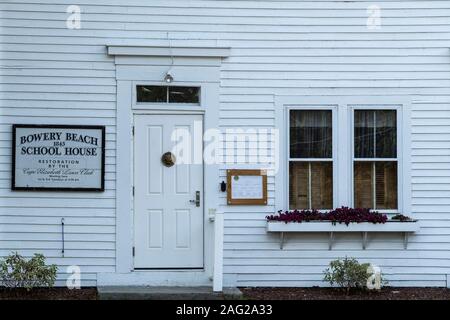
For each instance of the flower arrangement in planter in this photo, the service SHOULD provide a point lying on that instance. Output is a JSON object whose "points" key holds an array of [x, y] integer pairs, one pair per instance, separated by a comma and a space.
{"points": [[339, 215], [402, 218], [342, 219]]}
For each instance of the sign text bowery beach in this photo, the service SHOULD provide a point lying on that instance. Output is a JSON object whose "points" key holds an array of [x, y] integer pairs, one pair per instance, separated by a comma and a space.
{"points": [[58, 157]]}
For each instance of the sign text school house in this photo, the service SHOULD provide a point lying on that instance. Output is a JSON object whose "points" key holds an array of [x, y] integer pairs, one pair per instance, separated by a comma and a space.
{"points": [[226, 143]]}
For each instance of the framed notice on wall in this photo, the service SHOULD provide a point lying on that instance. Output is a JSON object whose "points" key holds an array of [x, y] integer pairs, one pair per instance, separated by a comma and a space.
{"points": [[246, 187], [58, 157]]}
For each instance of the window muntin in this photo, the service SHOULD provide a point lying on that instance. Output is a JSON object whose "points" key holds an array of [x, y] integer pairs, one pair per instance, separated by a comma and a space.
{"points": [[375, 167], [311, 159], [167, 94]]}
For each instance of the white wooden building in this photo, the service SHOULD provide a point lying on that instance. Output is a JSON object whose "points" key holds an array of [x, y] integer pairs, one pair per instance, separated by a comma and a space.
{"points": [[278, 68]]}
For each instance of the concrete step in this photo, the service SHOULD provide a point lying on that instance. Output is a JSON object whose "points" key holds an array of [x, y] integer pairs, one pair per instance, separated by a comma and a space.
{"points": [[166, 293]]}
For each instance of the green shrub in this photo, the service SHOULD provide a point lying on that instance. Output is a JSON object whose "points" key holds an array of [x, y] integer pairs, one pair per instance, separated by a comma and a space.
{"points": [[347, 274], [18, 272]]}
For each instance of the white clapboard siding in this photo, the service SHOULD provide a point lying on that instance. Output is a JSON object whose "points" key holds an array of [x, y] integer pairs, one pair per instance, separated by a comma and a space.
{"points": [[50, 74]]}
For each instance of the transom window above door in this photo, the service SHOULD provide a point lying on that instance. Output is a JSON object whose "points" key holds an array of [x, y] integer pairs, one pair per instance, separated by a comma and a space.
{"points": [[167, 94], [310, 159], [375, 164]]}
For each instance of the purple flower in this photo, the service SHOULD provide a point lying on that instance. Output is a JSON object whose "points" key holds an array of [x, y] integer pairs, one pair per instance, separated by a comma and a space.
{"points": [[339, 215]]}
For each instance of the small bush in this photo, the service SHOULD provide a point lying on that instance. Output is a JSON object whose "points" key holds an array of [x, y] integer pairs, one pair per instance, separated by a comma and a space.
{"points": [[17, 272], [347, 274]]}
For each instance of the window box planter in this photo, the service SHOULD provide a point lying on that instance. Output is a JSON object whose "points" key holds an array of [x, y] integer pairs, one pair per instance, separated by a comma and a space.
{"points": [[364, 228]]}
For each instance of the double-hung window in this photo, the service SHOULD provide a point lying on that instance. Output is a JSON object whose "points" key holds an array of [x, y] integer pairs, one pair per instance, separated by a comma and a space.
{"points": [[310, 159], [345, 151], [375, 163]]}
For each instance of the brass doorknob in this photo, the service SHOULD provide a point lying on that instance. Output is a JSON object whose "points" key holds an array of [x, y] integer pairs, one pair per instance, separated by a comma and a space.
{"points": [[168, 159]]}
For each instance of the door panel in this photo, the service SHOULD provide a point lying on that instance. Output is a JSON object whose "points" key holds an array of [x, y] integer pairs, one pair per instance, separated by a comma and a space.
{"points": [[168, 224]]}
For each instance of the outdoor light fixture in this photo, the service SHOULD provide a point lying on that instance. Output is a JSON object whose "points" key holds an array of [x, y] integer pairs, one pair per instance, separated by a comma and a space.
{"points": [[168, 78]]}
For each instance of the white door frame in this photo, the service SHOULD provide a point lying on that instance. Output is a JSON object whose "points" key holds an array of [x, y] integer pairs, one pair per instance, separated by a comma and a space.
{"points": [[147, 72]]}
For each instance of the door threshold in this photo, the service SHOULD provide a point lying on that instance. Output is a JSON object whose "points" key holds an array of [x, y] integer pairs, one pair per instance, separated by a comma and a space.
{"points": [[197, 277], [166, 293]]}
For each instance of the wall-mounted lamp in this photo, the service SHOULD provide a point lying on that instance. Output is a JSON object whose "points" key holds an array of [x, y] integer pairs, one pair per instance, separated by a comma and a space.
{"points": [[168, 78]]}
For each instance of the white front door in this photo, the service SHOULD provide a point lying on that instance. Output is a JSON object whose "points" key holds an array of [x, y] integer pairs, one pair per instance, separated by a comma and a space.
{"points": [[168, 201]]}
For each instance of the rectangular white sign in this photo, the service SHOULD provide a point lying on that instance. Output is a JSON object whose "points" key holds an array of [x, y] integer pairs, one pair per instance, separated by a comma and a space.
{"points": [[247, 187], [58, 157]]}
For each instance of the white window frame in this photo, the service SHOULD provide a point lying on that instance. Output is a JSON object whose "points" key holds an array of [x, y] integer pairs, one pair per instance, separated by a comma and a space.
{"points": [[343, 148], [333, 147], [166, 103], [399, 128], [173, 106]]}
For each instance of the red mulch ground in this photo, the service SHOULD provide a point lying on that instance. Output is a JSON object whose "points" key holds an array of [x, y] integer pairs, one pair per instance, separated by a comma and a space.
{"points": [[336, 294], [48, 294], [251, 294]]}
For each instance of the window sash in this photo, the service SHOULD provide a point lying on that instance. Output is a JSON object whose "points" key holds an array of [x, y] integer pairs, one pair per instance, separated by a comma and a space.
{"points": [[314, 175], [312, 160], [397, 159], [320, 119], [372, 131]]}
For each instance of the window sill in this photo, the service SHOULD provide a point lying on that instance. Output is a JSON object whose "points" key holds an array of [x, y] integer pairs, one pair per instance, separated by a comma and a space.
{"points": [[327, 227]]}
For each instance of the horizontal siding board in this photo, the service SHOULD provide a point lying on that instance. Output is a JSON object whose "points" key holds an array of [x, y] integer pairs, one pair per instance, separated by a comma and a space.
{"points": [[259, 34], [50, 212], [73, 254], [323, 75], [208, 16], [51, 80], [193, 25], [313, 269], [43, 245], [71, 237], [416, 43], [63, 113], [49, 220], [56, 228], [293, 262], [331, 4], [207, 11], [332, 254], [58, 202]]}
